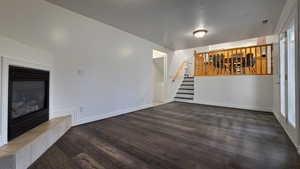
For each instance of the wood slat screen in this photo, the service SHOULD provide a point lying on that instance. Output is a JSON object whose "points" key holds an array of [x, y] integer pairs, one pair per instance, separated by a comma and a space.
{"points": [[252, 60]]}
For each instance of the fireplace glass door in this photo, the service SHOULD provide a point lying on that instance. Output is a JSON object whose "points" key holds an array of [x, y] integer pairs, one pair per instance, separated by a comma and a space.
{"points": [[27, 97]]}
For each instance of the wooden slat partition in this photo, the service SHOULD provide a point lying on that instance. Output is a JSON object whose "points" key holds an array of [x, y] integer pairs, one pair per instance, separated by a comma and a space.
{"points": [[252, 60]]}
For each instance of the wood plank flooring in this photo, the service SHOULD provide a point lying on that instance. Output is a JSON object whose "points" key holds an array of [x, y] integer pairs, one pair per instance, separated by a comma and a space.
{"points": [[175, 136]]}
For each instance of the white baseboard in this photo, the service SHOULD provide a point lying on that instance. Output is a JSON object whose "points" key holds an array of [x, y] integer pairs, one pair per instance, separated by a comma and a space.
{"points": [[290, 131], [298, 149], [2, 141], [108, 115], [246, 107], [63, 112]]}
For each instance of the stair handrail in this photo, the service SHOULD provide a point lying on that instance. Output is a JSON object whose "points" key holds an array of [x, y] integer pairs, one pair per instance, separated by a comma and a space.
{"points": [[179, 71]]}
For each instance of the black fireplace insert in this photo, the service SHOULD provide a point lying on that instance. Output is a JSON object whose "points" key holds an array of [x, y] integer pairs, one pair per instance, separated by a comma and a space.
{"points": [[28, 99]]}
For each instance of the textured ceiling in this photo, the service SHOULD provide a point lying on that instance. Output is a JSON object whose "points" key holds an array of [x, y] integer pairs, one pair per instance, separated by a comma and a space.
{"points": [[170, 23]]}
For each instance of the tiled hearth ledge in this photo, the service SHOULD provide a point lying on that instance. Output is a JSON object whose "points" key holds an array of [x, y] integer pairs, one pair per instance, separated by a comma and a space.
{"points": [[21, 152]]}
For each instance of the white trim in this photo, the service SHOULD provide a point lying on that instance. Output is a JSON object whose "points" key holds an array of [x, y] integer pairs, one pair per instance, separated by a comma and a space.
{"points": [[64, 112], [4, 98], [290, 10], [290, 5], [2, 142], [288, 128], [5, 63], [108, 115], [246, 107], [72, 111], [165, 81]]}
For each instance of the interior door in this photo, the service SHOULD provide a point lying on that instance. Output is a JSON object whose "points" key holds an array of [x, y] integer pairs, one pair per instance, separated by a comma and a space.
{"points": [[160, 77], [288, 73], [291, 73], [283, 75]]}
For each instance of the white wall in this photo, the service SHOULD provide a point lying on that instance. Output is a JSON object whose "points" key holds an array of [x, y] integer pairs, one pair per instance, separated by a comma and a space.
{"points": [[97, 69], [247, 92], [252, 92], [290, 7], [13, 50]]}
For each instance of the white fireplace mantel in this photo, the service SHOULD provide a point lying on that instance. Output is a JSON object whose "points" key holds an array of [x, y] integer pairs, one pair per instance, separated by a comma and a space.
{"points": [[4, 68]]}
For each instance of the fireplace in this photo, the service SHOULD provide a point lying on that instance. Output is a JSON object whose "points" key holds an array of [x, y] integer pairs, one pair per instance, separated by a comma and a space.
{"points": [[28, 99]]}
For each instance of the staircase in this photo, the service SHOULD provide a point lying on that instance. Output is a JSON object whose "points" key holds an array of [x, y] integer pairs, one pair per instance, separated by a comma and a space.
{"points": [[185, 92]]}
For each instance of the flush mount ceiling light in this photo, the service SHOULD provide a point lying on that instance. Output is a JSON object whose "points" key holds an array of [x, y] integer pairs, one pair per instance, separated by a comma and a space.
{"points": [[265, 21], [200, 33]]}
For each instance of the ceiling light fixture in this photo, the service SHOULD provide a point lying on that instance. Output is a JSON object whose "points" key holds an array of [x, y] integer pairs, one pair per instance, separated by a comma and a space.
{"points": [[200, 33], [265, 21]]}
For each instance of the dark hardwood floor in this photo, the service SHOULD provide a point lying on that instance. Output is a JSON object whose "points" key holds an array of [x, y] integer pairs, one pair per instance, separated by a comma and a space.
{"points": [[175, 136]]}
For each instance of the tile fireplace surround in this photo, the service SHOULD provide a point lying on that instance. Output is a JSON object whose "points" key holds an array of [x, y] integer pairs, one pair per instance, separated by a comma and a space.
{"points": [[22, 151], [4, 67]]}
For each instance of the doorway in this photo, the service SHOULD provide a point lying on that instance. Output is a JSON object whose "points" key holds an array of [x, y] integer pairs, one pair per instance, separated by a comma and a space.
{"points": [[288, 72], [159, 62]]}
